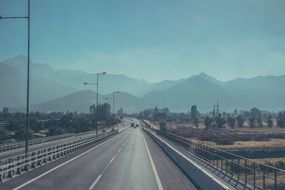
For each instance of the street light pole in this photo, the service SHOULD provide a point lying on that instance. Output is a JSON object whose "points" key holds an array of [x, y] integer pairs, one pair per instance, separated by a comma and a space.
{"points": [[28, 71], [28, 81], [97, 93], [97, 100]]}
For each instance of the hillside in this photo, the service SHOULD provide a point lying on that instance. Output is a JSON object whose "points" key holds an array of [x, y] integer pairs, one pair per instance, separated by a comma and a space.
{"points": [[81, 101], [197, 90], [13, 87]]}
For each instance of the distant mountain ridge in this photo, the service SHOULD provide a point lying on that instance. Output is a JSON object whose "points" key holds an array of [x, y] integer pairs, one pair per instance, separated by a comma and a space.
{"points": [[81, 101], [74, 79], [61, 90]]}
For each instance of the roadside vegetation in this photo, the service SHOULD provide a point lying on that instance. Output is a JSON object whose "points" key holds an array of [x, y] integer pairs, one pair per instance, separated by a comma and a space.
{"points": [[12, 125]]}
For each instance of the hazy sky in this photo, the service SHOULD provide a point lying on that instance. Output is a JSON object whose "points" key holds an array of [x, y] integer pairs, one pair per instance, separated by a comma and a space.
{"points": [[151, 39]]}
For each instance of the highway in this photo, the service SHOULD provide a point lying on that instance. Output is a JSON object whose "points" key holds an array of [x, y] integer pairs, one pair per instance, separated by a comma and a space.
{"points": [[129, 160]]}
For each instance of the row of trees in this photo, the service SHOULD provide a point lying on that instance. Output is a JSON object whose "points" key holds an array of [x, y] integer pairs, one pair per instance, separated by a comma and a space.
{"points": [[254, 118], [254, 121], [12, 125]]}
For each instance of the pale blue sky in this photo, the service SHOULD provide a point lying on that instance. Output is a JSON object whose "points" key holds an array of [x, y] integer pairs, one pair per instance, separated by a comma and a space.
{"points": [[151, 39]]}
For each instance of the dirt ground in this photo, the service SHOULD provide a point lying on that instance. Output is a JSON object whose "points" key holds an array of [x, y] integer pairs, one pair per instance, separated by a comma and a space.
{"points": [[239, 138], [271, 143]]}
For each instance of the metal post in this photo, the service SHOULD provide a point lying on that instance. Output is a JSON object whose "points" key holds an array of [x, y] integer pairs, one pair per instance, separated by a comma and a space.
{"points": [[97, 103], [275, 179], [263, 179], [28, 83], [254, 175], [113, 110], [245, 174], [239, 168]]}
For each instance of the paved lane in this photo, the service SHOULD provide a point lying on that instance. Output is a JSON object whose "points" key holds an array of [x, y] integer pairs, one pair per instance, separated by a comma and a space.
{"points": [[131, 168]]}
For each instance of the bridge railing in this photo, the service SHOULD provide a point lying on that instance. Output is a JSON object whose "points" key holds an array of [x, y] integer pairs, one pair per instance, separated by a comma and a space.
{"points": [[251, 173], [17, 165], [20, 144]]}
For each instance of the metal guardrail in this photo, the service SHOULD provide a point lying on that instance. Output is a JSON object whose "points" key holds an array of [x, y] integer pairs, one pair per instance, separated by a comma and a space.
{"points": [[20, 144], [194, 171], [252, 174], [17, 165]]}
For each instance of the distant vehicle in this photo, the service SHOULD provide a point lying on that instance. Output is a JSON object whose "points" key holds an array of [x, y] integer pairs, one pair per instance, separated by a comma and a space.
{"points": [[132, 125], [137, 125]]}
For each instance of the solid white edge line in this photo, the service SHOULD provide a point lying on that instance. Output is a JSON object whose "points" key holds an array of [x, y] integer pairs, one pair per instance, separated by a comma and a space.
{"points": [[51, 170], [159, 185], [195, 164], [95, 182]]}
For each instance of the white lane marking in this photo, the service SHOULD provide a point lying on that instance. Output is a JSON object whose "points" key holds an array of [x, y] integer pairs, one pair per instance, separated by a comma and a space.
{"points": [[106, 167], [51, 170], [112, 159], [159, 185], [95, 182]]}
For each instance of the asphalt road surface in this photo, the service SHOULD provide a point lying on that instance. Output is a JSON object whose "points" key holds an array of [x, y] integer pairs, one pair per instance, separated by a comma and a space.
{"points": [[130, 160]]}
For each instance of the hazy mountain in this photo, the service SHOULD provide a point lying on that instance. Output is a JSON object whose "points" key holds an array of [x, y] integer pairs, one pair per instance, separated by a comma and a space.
{"points": [[13, 87], [62, 90], [202, 90], [74, 79], [265, 92], [81, 101], [210, 78], [198, 90]]}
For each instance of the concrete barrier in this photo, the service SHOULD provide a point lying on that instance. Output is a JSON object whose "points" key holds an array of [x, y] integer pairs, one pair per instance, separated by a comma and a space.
{"points": [[203, 179]]}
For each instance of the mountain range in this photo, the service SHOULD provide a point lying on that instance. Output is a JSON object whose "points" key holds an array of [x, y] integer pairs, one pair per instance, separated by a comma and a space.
{"points": [[61, 90]]}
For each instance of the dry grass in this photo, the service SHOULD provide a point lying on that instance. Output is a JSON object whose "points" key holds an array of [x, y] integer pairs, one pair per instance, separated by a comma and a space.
{"points": [[272, 143]]}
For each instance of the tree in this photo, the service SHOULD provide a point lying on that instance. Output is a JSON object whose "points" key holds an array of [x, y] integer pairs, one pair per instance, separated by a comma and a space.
{"points": [[255, 113], [57, 131], [240, 121], [102, 113], [231, 121], [281, 119], [270, 121], [220, 121], [259, 122], [4, 134], [21, 134], [120, 112], [251, 122], [193, 112], [92, 109], [208, 122]]}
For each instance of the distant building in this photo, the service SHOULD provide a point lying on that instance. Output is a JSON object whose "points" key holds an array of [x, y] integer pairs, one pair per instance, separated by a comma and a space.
{"points": [[5, 110]]}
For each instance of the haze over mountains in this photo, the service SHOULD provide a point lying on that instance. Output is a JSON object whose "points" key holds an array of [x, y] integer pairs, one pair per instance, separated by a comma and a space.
{"points": [[61, 90]]}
